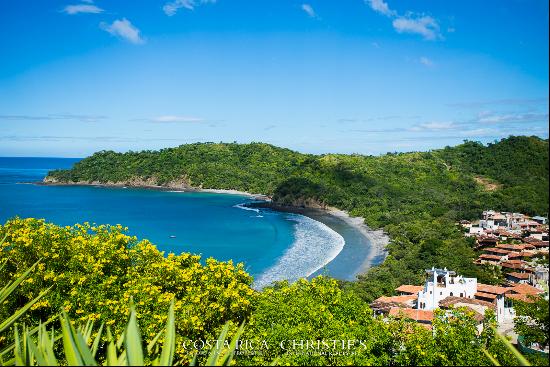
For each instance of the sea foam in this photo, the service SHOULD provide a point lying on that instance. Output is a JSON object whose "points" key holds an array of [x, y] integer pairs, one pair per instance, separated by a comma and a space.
{"points": [[244, 207], [315, 245]]}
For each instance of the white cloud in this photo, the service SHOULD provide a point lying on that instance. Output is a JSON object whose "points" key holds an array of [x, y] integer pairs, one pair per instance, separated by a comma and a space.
{"points": [[478, 133], [426, 61], [425, 25], [541, 102], [171, 8], [173, 118], [381, 7], [309, 10], [82, 8], [122, 28], [489, 118], [438, 125], [434, 126]]}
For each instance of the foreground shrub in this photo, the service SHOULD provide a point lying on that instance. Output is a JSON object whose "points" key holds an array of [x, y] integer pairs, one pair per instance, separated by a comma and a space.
{"points": [[93, 271], [316, 323]]}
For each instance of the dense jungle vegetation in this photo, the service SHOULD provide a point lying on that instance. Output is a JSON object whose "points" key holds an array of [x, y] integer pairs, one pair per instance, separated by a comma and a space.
{"points": [[415, 197]]}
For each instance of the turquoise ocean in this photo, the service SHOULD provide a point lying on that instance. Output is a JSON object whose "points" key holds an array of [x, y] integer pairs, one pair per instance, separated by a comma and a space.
{"points": [[272, 245]]}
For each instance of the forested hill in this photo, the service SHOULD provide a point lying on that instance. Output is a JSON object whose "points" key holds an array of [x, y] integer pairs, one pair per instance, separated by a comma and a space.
{"points": [[416, 197], [519, 164], [378, 188]]}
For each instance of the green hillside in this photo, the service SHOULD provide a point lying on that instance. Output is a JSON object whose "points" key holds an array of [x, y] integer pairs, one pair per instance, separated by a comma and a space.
{"points": [[416, 197]]}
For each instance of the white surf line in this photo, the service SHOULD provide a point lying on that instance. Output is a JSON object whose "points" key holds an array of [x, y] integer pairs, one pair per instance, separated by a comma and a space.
{"points": [[315, 245], [244, 207]]}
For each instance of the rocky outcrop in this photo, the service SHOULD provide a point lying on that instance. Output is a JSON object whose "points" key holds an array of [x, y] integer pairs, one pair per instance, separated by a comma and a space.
{"points": [[146, 182], [50, 180], [300, 202]]}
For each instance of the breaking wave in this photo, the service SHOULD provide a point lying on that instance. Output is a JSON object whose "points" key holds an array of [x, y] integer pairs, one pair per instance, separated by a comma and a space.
{"points": [[244, 207], [314, 246]]}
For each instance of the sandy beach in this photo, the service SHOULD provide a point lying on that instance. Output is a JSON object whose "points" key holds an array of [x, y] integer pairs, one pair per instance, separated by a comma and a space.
{"points": [[377, 238], [363, 246]]}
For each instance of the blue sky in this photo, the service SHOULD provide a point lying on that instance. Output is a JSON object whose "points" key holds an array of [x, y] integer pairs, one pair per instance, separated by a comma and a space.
{"points": [[349, 76]]}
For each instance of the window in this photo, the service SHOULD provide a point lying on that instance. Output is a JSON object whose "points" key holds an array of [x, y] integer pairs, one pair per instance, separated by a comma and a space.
{"points": [[460, 294], [451, 294], [440, 293]]}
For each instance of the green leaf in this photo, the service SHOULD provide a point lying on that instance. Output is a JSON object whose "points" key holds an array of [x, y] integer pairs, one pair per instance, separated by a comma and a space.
{"points": [[232, 347], [521, 359], [169, 347], [132, 341], [10, 287], [13, 318], [111, 358], [95, 345], [216, 349], [491, 358], [69, 344]]}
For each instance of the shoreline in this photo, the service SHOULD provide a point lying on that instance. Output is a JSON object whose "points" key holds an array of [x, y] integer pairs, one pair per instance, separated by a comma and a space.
{"points": [[363, 246], [377, 238], [171, 188], [360, 240]]}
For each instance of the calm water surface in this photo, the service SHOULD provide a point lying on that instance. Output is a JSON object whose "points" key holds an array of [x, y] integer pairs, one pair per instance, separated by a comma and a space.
{"points": [[272, 245]]}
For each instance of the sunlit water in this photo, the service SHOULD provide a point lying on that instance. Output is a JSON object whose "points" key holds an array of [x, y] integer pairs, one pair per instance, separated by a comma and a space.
{"points": [[272, 245]]}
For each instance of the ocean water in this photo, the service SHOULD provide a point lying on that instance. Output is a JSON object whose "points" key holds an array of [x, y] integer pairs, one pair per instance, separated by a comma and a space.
{"points": [[272, 245]]}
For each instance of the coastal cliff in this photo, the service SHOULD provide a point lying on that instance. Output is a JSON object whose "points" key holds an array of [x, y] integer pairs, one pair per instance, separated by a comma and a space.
{"points": [[149, 182]]}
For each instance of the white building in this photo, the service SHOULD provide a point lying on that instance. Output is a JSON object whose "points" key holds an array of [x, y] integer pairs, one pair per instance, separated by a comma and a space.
{"points": [[494, 220], [476, 230], [443, 283]]}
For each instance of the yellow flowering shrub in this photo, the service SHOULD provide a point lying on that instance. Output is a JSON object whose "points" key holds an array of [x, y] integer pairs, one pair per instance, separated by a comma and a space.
{"points": [[95, 271]]}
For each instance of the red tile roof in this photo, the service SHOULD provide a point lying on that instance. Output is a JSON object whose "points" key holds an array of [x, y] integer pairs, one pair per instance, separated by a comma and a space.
{"points": [[415, 314], [514, 255], [488, 239], [514, 264], [407, 288], [494, 289], [522, 246], [521, 297], [450, 301], [526, 289], [399, 299], [497, 250], [521, 262], [485, 295], [490, 257], [535, 241]]}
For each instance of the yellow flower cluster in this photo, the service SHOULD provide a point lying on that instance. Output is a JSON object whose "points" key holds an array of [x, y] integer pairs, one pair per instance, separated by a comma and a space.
{"points": [[96, 271]]}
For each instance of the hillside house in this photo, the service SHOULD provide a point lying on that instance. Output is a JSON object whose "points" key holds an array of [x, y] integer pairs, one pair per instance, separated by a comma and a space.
{"points": [[443, 283]]}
